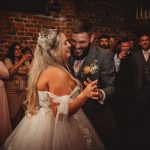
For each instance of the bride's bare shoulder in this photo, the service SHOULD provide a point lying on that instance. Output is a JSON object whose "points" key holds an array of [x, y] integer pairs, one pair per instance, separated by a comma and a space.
{"points": [[53, 78], [58, 81], [55, 73]]}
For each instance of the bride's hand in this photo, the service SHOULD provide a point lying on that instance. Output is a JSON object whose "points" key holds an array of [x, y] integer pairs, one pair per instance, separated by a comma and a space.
{"points": [[99, 95], [87, 81], [90, 91]]}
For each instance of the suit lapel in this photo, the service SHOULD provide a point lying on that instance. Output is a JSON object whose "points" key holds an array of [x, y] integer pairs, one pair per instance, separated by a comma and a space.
{"points": [[71, 63], [142, 58], [88, 60], [140, 63]]}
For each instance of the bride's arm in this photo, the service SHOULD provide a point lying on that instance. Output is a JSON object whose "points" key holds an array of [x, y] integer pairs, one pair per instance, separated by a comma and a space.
{"points": [[60, 84]]}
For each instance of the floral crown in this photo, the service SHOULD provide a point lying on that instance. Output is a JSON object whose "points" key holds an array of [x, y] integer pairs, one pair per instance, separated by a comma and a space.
{"points": [[46, 36]]}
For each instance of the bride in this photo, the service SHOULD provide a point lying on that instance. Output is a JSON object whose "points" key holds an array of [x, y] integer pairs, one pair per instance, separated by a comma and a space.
{"points": [[54, 120]]}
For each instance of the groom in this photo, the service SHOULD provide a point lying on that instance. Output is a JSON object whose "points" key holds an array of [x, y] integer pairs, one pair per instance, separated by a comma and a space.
{"points": [[89, 61]]}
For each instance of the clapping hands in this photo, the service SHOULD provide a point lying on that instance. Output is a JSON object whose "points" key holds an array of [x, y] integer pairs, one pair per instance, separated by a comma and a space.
{"points": [[122, 55]]}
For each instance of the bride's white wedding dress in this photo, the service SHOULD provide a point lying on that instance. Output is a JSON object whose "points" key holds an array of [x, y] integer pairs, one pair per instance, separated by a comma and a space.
{"points": [[43, 131]]}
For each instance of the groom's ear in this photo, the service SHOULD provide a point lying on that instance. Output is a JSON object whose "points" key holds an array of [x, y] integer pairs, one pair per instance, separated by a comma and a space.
{"points": [[92, 38]]}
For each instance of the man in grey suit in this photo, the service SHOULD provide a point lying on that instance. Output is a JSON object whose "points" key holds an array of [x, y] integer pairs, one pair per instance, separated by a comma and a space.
{"points": [[140, 65], [89, 61]]}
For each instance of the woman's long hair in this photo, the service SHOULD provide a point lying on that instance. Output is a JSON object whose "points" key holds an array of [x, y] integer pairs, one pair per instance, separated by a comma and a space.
{"points": [[11, 51], [44, 56]]}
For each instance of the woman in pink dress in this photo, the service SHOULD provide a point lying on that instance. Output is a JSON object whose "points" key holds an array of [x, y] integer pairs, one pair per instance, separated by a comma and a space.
{"points": [[5, 126]]}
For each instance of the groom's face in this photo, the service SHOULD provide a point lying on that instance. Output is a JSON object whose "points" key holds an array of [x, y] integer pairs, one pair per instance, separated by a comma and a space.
{"points": [[80, 43]]}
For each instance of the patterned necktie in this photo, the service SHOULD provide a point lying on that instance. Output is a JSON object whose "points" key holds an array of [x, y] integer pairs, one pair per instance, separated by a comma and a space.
{"points": [[77, 66], [146, 55]]}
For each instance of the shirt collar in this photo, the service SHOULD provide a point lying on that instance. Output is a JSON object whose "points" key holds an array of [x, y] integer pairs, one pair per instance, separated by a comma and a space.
{"points": [[148, 51]]}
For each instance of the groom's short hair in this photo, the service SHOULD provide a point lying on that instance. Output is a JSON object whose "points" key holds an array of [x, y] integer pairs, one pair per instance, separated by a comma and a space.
{"points": [[81, 25]]}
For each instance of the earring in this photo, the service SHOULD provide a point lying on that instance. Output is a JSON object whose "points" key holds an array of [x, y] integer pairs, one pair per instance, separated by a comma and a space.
{"points": [[55, 55]]}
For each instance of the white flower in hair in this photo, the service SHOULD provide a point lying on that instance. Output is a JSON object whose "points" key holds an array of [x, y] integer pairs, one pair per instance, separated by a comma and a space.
{"points": [[46, 36]]}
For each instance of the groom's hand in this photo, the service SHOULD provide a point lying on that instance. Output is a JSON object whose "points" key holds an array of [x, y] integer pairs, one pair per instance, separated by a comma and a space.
{"points": [[89, 81], [99, 96]]}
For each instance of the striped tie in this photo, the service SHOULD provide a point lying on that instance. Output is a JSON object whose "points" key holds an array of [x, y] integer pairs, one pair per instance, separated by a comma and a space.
{"points": [[146, 55], [77, 66]]}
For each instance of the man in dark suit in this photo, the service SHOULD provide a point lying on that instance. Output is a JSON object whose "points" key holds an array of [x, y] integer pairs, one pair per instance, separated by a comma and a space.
{"points": [[89, 61], [122, 99], [141, 92]]}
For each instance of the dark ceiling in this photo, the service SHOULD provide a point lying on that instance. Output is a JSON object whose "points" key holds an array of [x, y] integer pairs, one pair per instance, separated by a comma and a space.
{"points": [[23, 5], [40, 5]]}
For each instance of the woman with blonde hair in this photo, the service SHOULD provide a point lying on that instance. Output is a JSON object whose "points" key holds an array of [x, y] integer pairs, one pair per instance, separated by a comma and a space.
{"points": [[54, 119]]}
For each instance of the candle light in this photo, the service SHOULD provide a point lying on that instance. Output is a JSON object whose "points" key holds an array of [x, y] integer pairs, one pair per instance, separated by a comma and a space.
{"points": [[141, 13], [145, 14]]}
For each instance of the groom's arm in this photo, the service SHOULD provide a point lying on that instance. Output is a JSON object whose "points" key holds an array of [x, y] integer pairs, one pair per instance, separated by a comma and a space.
{"points": [[107, 75]]}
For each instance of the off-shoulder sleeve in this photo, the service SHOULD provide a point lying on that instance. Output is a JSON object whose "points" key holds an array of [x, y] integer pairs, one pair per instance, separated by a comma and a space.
{"points": [[63, 104], [61, 121]]}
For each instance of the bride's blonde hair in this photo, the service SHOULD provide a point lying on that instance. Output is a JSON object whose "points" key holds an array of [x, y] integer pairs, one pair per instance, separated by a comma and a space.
{"points": [[44, 56]]}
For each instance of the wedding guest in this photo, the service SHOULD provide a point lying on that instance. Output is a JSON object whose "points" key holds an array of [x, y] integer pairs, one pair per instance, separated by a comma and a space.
{"points": [[112, 43], [122, 99], [5, 125], [27, 50], [141, 93], [132, 43], [104, 41], [123, 52], [16, 84]]}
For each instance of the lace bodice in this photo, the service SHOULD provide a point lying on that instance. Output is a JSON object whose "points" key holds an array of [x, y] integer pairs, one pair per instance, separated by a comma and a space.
{"points": [[44, 97]]}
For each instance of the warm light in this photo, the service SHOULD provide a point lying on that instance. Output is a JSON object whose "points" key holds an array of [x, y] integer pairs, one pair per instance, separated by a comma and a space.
{"points": [[142, 13]]}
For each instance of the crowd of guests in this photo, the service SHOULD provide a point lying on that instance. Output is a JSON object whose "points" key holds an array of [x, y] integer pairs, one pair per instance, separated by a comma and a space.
{"points": [[121, 114], [130, 102]]}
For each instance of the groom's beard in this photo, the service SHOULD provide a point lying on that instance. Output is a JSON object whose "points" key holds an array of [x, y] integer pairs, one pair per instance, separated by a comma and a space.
{"points": [[84, 54]]}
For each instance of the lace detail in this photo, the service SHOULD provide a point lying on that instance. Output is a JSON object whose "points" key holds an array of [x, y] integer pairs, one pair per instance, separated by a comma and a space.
{"points": [[63, 107], [44, 98], [87, 136], [63, 101]]}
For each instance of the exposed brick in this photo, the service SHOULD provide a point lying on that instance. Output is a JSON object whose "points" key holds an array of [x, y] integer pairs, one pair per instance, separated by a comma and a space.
{"points": [[107, 17]]}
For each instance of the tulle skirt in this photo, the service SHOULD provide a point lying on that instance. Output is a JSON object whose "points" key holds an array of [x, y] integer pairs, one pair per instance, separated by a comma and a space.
{"points": [[41, 132]]}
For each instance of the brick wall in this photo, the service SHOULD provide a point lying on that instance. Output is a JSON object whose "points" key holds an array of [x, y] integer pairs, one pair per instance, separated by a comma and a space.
{"points": [[106, 16]]}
